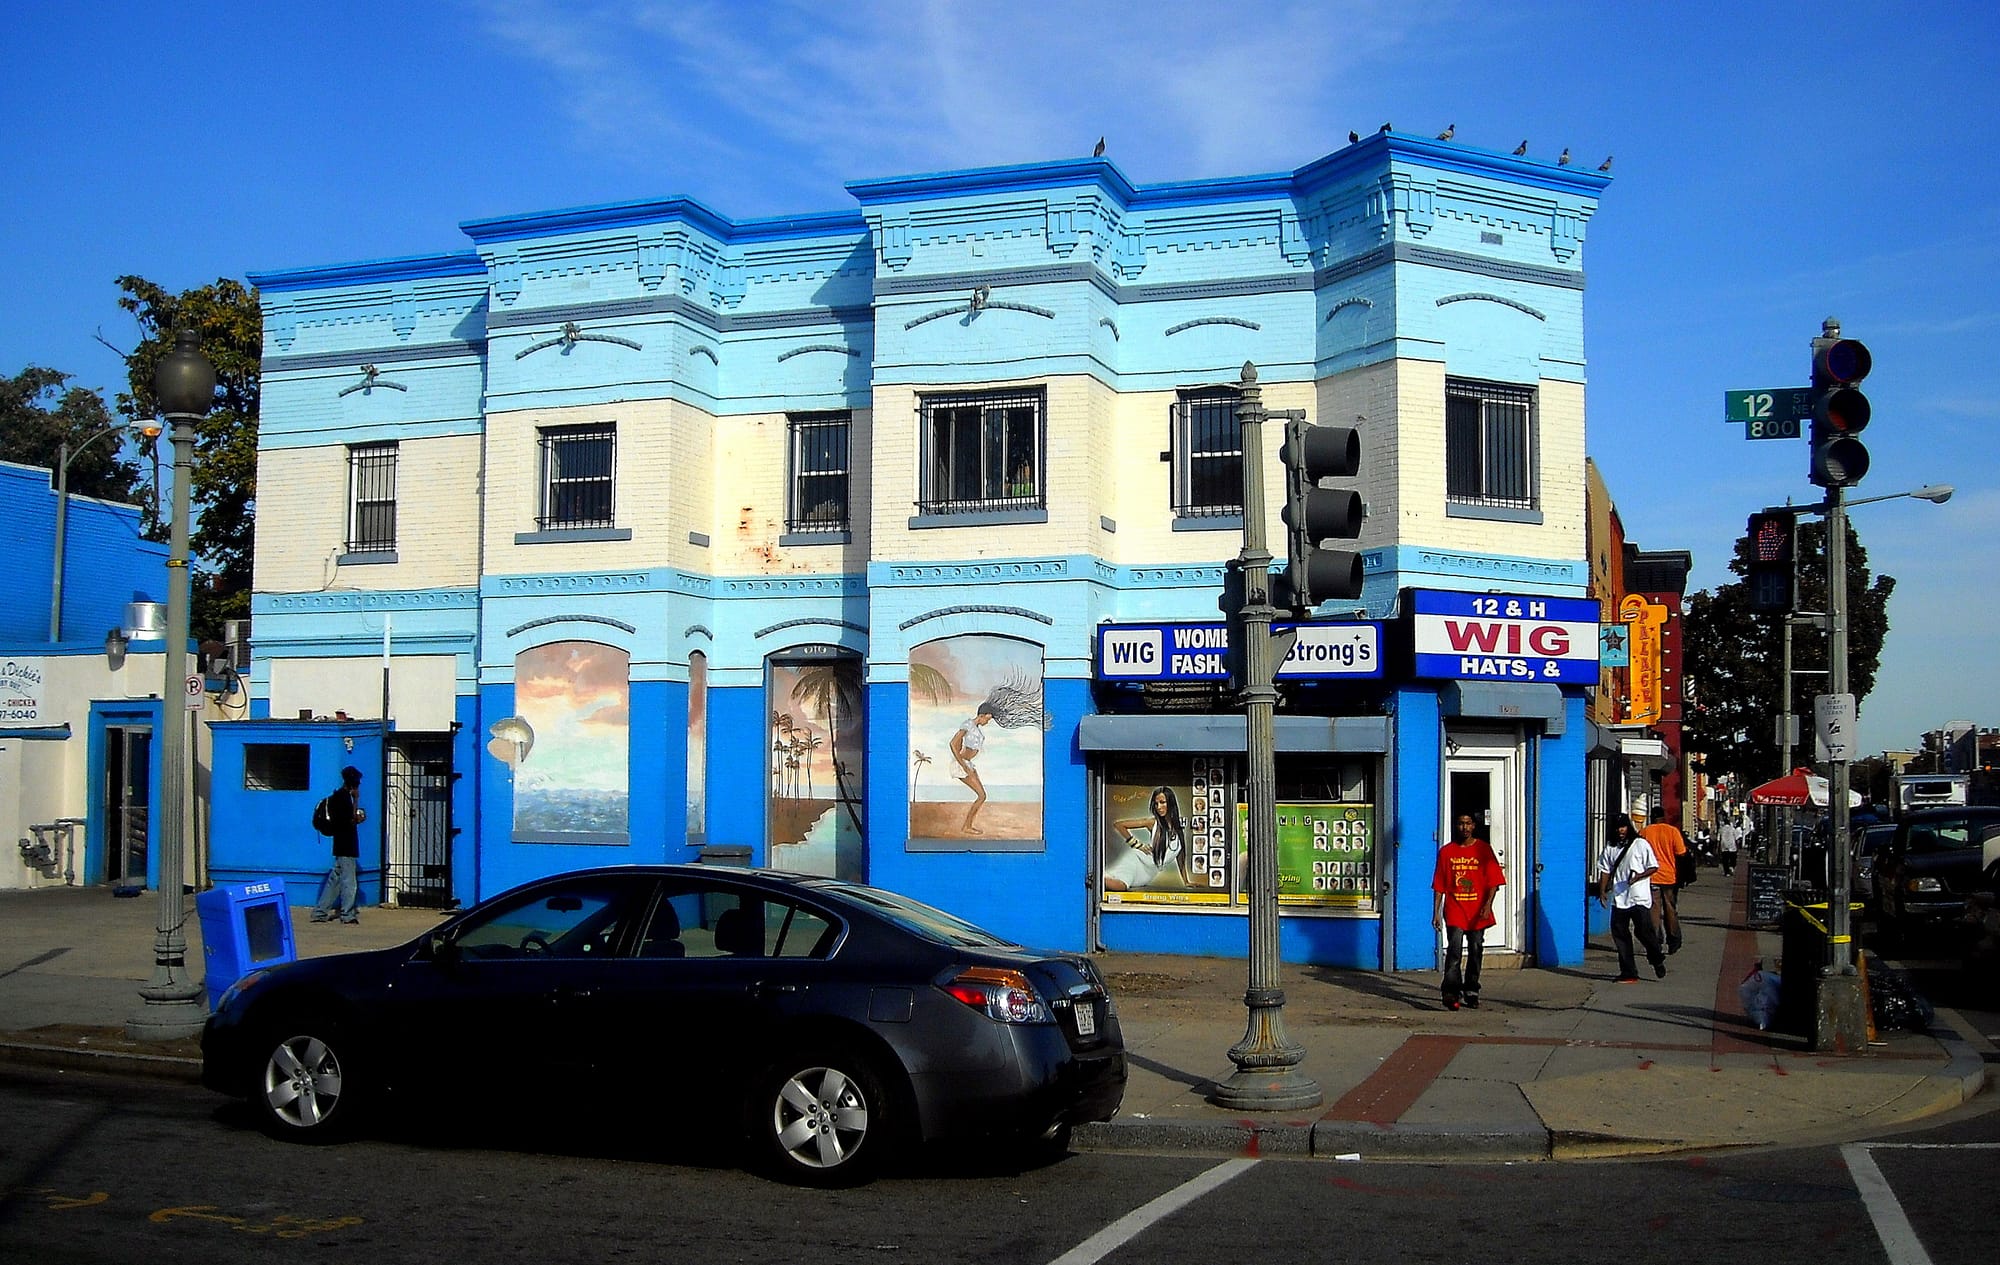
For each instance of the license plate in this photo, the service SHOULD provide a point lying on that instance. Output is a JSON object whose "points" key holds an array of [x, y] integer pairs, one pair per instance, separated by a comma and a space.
{"points": [[1086, 1019]]}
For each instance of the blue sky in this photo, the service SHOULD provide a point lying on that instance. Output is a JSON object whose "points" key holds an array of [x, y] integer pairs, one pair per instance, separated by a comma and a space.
{"points": [[1776, 164]]}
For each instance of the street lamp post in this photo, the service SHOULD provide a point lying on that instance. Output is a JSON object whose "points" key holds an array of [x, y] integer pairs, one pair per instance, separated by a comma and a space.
{"points": [[184, 385], [1267, 1076], [66, 456]]}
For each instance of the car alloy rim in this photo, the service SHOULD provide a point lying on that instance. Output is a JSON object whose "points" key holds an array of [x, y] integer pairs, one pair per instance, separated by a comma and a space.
{"points": [[302, 1082], [821, 1117]]}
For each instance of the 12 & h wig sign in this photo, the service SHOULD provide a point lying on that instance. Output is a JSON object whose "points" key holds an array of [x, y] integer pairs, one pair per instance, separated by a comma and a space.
{"points": [[1503, 637]]}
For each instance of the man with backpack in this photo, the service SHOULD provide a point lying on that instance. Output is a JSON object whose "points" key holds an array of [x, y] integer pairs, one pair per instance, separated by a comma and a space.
{"points": [[337, 815]]}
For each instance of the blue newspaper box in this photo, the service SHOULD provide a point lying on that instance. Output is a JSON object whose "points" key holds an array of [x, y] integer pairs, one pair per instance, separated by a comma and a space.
{"points": [[244, 926]]}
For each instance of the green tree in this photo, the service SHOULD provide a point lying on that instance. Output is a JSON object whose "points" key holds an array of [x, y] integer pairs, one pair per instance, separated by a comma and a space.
{"points": [[224, 484], [38, 414], [1733, 658]]}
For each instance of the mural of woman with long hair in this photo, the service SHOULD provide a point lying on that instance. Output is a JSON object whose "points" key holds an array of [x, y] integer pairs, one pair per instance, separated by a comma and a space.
{"points": [[984, 693]]}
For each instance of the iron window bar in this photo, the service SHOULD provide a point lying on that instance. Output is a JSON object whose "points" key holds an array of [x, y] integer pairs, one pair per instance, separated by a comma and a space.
{"points": [[983, 452], [579, 476], [819, 486], [1489, 444], [371, 498], [1208, 447]]}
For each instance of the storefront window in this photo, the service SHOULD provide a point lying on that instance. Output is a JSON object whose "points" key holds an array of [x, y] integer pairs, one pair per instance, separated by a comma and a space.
{"points": [[1173, 828]]}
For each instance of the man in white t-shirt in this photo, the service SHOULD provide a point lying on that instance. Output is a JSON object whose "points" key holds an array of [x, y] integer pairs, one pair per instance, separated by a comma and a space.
{"points": [[1625, 884]]}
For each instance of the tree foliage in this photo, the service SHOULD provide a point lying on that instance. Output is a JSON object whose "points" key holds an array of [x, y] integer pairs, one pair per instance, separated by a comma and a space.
{"points": [[38, 414], [1733, 658], [223, 487]]}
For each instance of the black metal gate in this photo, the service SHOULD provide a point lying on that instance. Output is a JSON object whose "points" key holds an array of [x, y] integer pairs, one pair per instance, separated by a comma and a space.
{"points": [[417, 868]]}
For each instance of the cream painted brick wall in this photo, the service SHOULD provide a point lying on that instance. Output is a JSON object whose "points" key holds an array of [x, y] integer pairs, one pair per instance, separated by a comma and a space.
{"points": [[1078, 419], [654, 449], [1367, 400], [1421, 473], [302, 518], [752, 470]]}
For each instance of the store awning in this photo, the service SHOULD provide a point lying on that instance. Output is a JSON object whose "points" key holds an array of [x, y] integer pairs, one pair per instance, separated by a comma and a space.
{"points": [[1646, 753], [1172, 731], [1504, 700], [1797, 789]]}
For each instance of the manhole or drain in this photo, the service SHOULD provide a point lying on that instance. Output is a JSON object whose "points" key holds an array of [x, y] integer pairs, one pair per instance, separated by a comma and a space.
{"points": [[1786, 1193]]}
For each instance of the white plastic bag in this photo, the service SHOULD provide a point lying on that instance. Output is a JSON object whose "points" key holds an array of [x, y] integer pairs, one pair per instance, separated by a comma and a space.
{"points": [[1759, 995]]}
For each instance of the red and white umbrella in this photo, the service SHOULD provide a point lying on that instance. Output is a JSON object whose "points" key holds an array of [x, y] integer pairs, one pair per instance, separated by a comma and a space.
{"points": [[1798, 789]]}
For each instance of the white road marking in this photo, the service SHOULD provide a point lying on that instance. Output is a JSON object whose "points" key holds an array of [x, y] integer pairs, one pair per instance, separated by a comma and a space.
{"points": [[1128, 1227], [1899, 1241]]}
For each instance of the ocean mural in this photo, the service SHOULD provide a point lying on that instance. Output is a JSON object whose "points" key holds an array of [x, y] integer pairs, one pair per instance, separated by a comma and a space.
{"points": [[574, 783], [816, 763], [976, 725]]}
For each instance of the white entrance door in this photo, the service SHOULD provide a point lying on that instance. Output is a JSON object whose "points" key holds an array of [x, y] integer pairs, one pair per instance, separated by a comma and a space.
{"points": [[1483, 780]]}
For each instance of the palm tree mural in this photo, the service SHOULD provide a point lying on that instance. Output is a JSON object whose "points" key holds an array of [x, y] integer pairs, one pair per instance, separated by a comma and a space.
{"points": [[917, 773], [832, 690]]}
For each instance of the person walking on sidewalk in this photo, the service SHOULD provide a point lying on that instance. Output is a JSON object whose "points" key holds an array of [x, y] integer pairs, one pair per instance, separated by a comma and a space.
{"points": [[1625, 883], [1670, 851], [342, 888], [1467, 878], [1731, 838]]}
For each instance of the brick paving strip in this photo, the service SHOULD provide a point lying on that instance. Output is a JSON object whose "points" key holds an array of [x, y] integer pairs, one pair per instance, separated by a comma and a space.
{"points": [[1404, 1077]]}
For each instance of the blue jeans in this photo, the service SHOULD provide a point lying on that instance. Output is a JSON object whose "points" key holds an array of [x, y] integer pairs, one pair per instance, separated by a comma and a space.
{"points": [[342, 884]]}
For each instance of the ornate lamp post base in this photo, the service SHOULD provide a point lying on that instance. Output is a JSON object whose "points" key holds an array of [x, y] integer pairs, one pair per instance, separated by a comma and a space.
{"points": [[1267, 1074], [172, 1011]]}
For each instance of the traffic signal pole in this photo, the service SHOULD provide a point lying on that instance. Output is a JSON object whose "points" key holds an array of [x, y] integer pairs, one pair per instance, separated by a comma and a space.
{"points": [[1267, 1076]]}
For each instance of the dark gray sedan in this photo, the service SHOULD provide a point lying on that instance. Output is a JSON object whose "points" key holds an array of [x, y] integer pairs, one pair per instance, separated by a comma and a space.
{"points": [[836, 1023]]}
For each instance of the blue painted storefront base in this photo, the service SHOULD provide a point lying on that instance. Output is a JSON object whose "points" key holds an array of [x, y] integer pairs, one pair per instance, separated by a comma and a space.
{"points": [[1351, 943]]}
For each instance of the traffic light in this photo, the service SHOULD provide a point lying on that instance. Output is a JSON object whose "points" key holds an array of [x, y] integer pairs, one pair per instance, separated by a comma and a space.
{"points": [[1772, 578], [1840, 412], [1313, 514]]}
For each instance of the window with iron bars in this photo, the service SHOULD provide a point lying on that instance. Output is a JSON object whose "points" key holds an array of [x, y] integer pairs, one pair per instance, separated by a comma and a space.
{"points": [[1208, 454], [982, 452], [819, 472], [371, 498], [579, 471], [1489, 442]]}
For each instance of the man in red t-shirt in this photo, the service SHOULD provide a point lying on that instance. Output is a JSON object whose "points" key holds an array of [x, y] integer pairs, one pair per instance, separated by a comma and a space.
{"points": [[1467, 878]]}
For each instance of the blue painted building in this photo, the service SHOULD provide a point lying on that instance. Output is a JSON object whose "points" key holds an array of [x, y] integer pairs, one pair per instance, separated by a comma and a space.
{"points": [[80, 716], [660, 532]]}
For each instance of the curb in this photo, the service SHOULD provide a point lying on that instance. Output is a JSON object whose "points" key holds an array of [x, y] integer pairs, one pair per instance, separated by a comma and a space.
{"points": [[108, 1062], [1322, 1140]]}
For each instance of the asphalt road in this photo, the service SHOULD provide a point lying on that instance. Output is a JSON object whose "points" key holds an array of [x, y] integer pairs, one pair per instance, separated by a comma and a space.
{"points": [[104, 1170]]}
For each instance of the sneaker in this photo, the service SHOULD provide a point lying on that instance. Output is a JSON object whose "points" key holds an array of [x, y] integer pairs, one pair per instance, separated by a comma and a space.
{"points": [[1627, 979], [1451, 1003], [1660, 969], [355, 922], [320, 918], [1472, 1001]]}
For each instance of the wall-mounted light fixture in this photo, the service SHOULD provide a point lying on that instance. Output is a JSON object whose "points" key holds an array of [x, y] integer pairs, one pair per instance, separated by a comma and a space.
{"points": [[116, 643]]}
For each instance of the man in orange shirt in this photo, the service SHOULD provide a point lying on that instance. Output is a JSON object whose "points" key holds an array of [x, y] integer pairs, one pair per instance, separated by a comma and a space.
{"points": [[1669, 847]]}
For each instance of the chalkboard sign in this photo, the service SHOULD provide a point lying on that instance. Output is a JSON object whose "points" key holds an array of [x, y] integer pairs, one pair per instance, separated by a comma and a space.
{"points": [[1767, 894]]}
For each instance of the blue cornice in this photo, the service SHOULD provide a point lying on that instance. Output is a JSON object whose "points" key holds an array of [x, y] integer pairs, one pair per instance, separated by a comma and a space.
{"points": [[463, 263], [1372, 150], [1369, 153], [1043, 175], [695, 214]]}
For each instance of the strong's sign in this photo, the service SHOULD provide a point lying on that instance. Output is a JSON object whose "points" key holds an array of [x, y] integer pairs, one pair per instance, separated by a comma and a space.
{"points": [[1497, 636]]}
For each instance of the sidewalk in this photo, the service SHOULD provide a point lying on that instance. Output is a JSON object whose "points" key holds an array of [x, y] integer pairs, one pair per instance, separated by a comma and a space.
{"points": [[1556, 1063]]}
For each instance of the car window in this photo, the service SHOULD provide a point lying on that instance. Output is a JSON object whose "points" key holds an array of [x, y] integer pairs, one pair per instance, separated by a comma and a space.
{"points": [[915, 916], [694, 920], [575, 920]]}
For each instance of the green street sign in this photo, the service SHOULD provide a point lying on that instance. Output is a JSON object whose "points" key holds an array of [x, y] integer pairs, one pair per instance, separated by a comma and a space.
{"points": [[1768, 404]]}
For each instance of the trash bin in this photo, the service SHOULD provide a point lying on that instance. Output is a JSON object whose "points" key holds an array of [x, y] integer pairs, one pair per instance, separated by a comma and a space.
{"points": [[243, 926], [1803, 960]]}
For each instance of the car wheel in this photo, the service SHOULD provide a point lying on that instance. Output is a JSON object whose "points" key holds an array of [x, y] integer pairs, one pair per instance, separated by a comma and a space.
{"points": [[307, 1090], [824, 1119]]}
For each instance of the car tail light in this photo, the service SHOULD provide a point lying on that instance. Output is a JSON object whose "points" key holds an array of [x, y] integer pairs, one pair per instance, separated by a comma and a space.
{"points": [[1001, 994]]}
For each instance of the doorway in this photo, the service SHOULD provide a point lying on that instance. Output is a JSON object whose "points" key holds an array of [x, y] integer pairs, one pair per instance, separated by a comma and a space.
{"points": [[1483, 781], [127, 803], [417, 841]]}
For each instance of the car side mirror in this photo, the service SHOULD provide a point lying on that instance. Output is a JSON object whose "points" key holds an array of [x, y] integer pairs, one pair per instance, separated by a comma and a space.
{"points": [[443, 949]]}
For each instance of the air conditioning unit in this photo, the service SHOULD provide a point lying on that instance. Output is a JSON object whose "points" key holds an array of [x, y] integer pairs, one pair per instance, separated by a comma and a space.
{"points": [[236, 637]]}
